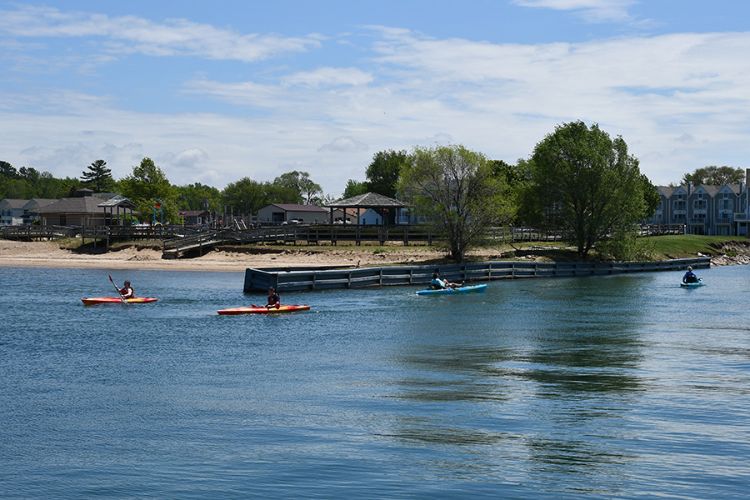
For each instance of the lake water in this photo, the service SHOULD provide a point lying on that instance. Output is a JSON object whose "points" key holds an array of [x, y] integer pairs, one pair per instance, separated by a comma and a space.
{"points": [[621, 386]]}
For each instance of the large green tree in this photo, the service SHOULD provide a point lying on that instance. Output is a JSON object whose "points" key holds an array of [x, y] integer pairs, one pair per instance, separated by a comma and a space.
{"points": [[148, 187], [458, 191], [307, 190], [715, 176], [384, 171], [98, 177], [587, 184], [245, 196]]}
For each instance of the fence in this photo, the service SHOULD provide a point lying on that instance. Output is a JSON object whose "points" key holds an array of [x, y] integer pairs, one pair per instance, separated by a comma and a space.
{"points": [[286, 279]]}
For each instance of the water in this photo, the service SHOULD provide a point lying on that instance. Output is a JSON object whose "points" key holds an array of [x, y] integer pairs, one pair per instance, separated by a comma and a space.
{"points": [[621, 386]]}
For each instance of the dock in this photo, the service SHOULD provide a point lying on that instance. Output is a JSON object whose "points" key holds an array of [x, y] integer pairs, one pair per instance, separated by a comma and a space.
{"points": [[321, 278]]}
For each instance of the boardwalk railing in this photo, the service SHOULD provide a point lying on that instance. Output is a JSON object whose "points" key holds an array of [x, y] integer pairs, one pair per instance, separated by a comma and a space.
{"points": [[286, 279]]}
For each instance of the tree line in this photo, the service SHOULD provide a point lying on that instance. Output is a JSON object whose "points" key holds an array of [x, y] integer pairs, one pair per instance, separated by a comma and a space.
{"points": [[578, 180], [147, 185]]}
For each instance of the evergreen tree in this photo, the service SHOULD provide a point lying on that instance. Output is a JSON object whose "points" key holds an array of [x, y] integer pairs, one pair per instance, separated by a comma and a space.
{"points": [[98, 177]]}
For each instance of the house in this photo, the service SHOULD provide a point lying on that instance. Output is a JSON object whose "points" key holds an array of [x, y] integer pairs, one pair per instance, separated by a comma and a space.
{"points": [[195, 217], [711, 210], [86, 210], [279, 213], [32, 207], [11, 211]]}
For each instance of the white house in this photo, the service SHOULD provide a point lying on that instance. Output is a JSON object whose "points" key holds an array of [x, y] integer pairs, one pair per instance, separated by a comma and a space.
{"points": [[11, 211]]}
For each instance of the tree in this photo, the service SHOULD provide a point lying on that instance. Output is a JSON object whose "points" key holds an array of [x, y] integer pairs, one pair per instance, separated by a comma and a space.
{"points": [[714, 176], [146, 187], [588, 184], [300, 182], [245, 196], [98, 177], [383, 173], [198, 197], [355, 188], [7, 170], [457, 190]]}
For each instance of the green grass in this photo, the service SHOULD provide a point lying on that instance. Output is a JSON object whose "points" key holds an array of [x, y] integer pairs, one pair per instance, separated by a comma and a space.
{"points": [[689, 245]]}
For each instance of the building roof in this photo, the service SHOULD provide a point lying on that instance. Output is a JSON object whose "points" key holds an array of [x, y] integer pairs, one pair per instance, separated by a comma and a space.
{"points": [[81, 205], [665, 191], [293, 207], [13, 203], [117, 201], [37, 203], [368, 200]]}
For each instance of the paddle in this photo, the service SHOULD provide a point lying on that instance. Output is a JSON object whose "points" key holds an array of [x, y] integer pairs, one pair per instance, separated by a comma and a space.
{"points": [[118, 290]]}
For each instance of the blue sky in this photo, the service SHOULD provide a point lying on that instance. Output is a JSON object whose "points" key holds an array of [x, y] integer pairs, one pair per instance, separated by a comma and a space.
{"points": [[216, 91]]}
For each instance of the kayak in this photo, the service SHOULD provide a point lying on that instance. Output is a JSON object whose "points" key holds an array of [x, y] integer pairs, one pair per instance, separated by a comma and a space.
{"points": [[262, 310], [693, 284], [115, 300], [452, 291]]}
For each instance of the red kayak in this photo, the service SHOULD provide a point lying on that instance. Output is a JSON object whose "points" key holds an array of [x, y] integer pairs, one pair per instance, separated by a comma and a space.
{"points": [[262, 310], [116, 300]]}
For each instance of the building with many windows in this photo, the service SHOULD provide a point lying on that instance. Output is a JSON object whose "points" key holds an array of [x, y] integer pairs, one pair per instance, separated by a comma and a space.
{"points": [[712, 210]]}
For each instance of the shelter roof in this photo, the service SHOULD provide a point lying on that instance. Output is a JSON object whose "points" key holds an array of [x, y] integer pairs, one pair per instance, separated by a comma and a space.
{"points": [[368, 200], [117, 201], [36, 203]]}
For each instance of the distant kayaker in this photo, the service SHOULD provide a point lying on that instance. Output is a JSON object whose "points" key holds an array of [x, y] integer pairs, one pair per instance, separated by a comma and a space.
{"points": [[438, 283], [127, 292], [690, 277], [273, 299]]}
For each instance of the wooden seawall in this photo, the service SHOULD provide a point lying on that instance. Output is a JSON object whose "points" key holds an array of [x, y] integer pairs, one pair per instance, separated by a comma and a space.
{"points": [[319, 278]]}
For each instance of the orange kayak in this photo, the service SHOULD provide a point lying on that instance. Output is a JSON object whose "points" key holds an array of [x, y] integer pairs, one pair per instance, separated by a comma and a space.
{"points": [[116, 300], [262, 310]]}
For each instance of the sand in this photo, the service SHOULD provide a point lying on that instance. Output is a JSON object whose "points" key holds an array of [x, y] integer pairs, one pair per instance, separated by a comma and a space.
{"points": [[49, 254]]}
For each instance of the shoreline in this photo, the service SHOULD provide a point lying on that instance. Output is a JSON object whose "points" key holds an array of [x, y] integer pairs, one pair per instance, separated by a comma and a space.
{"points": [[50, 255]]}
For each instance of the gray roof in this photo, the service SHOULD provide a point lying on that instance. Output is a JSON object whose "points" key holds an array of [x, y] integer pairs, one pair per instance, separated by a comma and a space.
{"points": [[13, 203], [37, 203], [82, 205], [117, 201], [368, 200]]}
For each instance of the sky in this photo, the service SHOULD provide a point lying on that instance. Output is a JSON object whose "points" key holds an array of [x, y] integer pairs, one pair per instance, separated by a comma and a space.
{"points": [[221, 90]]}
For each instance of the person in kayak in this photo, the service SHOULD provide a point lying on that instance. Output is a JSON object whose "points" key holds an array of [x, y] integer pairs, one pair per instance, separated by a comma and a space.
{"points": [[127, 292], [273, 299], [440, 284], [690, 277]]}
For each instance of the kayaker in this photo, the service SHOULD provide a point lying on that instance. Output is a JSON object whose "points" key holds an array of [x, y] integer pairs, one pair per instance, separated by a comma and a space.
{"points": [[439, 284], [690, 277], [273, 299], [127, 292]]}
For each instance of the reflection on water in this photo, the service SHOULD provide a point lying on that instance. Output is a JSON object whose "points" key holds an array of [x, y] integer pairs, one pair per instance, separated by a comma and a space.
{"points": [[617, 386]]}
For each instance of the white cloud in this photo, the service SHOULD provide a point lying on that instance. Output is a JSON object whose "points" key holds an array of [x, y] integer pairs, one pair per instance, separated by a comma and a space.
{"points": [[681, 101], [329, 77], [344, 144], [591, 10], [131, 34]]}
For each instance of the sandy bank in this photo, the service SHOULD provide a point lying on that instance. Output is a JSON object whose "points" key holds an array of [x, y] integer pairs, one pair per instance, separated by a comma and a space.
{"points": [[48, 254]]}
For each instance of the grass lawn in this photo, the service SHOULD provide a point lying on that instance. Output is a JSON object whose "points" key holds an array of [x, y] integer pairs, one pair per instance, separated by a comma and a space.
{"points": [[689, 245]]}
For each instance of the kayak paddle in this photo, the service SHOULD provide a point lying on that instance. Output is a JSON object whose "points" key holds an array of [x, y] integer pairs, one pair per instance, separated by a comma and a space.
{"points": [[118, 290]]}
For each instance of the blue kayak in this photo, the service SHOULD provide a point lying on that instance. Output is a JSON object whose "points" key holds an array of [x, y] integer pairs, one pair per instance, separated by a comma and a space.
{"points": [[693, 284], [453, 291]]}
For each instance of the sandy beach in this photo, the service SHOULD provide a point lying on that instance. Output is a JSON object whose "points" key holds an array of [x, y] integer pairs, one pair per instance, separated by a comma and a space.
{"points": [[49, 254]]}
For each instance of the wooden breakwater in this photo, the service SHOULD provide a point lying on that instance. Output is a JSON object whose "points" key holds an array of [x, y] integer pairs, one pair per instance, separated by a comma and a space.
{"points": [[318, 278]]}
